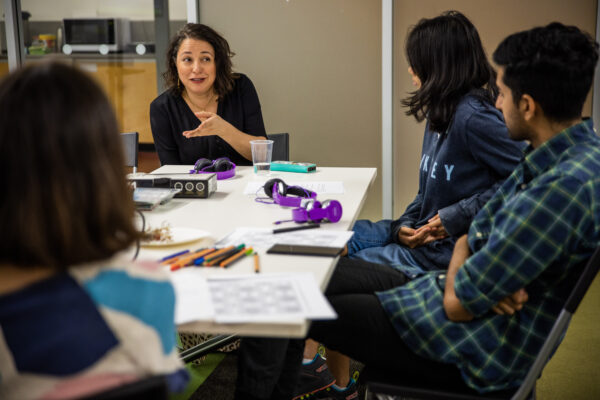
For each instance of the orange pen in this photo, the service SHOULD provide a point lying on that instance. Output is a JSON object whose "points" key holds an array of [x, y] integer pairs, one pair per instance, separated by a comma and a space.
{"points": [[185, 260], [217, 253], [234, 257], [256, 263]]}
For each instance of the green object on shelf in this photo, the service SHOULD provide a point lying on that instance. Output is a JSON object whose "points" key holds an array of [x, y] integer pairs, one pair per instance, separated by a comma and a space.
{"points": [[38, 50]]}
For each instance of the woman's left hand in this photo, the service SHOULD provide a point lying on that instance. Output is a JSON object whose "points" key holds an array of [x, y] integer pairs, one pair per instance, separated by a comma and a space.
{"points": [[212, 124]]}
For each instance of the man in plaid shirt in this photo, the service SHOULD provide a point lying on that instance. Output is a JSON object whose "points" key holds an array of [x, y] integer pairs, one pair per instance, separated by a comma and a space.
{"points": [[482, 322]]}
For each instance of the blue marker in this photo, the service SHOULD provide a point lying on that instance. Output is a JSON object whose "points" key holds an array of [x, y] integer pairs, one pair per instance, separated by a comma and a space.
{"points": [[174, 255]]}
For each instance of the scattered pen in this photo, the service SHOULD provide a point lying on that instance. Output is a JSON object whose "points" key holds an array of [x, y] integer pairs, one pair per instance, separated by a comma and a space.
{"points": [[201, 256], [256, 263], [182, 262], [296, 228], [174, 255], [234, 257], [223, 256]]}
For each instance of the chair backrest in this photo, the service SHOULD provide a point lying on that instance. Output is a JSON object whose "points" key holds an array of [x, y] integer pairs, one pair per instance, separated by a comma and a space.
{"points": [[560, 325], [130, 147], [386, 385], [151, 388], [281, 146]]}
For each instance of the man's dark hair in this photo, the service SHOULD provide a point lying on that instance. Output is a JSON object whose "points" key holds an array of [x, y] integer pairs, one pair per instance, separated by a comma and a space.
{"points": [[553, 64], [65, 199], [446, 54], [224, 79]]}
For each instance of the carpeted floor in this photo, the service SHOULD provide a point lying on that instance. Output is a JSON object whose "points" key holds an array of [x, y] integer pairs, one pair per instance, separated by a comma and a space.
{"points": [[221, 383]]}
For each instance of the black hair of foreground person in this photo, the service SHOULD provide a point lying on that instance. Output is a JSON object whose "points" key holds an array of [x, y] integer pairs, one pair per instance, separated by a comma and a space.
{"points": [[65, 199]]}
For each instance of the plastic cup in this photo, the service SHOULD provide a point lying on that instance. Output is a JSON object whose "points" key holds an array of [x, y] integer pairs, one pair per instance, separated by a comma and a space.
{"points": [[261, 156]]}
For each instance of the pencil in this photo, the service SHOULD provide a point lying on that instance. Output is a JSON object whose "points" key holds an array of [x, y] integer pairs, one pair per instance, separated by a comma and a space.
{"points": [[256, 263], [296, 228]]}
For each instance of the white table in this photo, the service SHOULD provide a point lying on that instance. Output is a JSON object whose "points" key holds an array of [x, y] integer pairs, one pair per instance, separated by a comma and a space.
{"points": [[229, 208]]}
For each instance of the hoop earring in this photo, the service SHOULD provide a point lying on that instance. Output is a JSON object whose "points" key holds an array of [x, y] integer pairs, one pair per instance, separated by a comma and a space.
{"points": [[178, 83]]}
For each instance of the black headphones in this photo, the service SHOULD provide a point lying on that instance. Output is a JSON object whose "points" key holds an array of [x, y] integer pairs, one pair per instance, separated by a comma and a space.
{"points": [[218, 165], [222, 166], [279, 191]]}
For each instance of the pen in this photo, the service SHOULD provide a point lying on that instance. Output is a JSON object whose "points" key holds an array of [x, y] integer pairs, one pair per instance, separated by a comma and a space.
{"points": [[234, 257], [171, 260], [218, 258], [247, 252], [185, 260], [173, 255], [201, 256], [256, 263], [219, 252], [296, 228]]}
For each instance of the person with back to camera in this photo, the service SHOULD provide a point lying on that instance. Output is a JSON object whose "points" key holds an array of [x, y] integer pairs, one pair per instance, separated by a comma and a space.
{"points": [[75, 317], [466, 155], [207, 110]]}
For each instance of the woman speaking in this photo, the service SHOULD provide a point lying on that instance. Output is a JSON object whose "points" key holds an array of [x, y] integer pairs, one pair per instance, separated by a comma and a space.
{"points": [[207, 111]]}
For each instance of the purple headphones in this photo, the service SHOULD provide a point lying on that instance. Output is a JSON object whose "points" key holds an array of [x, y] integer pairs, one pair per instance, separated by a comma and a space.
{"points": [[282, 193], [314, 211], [223, 167]]}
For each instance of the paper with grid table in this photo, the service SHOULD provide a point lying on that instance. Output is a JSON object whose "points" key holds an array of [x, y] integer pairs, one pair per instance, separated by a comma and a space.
{"points": [[247, 298]]}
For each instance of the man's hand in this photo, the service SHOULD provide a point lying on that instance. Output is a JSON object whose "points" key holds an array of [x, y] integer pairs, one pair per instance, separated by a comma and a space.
{"points": [[511, 304]]}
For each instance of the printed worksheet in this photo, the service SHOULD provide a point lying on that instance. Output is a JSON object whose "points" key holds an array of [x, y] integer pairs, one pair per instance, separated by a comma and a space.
{"points": [[267, 298], [263, 238]]}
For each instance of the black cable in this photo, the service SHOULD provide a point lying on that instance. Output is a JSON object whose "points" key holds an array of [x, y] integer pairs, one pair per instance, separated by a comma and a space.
{"points": [[137, 241]]}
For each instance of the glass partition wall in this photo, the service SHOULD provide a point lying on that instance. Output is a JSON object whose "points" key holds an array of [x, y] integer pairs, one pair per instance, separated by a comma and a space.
{"points": [[120, 43]]}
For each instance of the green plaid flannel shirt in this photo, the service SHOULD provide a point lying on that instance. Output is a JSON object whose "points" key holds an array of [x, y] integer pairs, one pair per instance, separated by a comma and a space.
{"points": [[536, 232]]}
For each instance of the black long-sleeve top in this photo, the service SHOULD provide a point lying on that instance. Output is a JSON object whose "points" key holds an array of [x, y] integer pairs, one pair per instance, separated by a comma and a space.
{"points": [[170, 116]]}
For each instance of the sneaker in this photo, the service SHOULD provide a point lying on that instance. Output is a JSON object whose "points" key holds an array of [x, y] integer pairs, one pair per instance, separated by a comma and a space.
{"points": [[332, 392], [314, 376]]}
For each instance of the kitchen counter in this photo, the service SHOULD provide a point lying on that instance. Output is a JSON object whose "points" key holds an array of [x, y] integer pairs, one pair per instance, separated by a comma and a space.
{"points": [[94, 57]]}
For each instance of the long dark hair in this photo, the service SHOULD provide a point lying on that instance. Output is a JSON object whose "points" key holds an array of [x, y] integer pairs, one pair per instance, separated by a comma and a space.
{"points": [[225, 76], [446, 54], [65, 198]]}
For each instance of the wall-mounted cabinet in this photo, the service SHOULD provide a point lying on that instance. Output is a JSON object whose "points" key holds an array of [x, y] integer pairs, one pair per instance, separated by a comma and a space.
{"points": [[130, 84]]}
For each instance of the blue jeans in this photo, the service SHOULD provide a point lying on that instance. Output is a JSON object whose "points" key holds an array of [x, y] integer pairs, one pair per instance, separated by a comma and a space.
{"points": [[373, 241]]}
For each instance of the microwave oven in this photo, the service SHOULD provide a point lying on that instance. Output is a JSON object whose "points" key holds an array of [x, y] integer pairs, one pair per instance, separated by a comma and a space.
{"points": [[91, 33]]}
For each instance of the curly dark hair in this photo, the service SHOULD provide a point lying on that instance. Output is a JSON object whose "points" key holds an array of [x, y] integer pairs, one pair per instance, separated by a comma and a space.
{"points": [[224, 79], [553, 64], [446, 54], [62, 158]]}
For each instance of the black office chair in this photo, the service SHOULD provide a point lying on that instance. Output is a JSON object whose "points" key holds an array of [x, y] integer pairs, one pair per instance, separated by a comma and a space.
{"points": [[130, 148], [380, 382], [152, 388], [281, 146]]}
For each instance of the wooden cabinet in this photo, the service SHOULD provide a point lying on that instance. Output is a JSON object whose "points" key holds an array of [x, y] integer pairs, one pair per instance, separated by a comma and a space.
{"points": [[130, 84], [131, 87]]}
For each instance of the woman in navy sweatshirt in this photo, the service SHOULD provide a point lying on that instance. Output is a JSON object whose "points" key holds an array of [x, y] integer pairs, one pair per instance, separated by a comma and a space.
{"points": [[466, 155], [466, 150]]}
